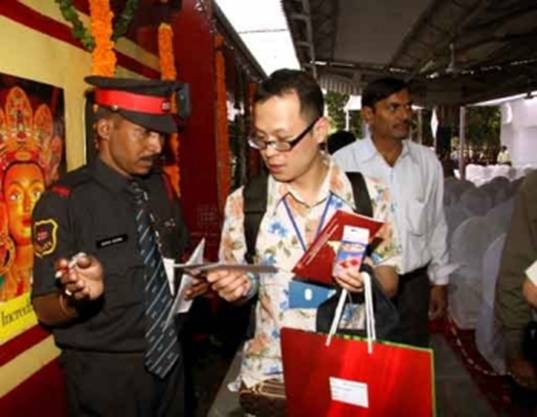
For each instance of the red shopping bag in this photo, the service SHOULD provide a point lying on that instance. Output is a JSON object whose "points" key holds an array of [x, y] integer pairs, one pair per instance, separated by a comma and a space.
{"points": [[343, 379]]}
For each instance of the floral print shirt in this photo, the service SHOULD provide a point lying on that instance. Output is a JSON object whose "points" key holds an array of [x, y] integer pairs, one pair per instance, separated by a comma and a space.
{"points": [[279, 245]]}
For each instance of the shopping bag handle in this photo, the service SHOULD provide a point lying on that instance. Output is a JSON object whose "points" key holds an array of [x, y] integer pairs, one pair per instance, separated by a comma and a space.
{"points": [[371, 333]]}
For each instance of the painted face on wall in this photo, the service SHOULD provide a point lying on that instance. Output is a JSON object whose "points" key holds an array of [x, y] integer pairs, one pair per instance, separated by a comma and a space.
{"points": [[23, 185]]}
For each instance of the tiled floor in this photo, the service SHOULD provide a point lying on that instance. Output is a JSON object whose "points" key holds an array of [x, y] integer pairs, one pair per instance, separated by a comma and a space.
{"points": [[456, 394]]}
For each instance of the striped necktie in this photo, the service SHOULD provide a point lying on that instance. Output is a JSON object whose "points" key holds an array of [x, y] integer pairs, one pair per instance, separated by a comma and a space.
{"points": [[162, 342]]}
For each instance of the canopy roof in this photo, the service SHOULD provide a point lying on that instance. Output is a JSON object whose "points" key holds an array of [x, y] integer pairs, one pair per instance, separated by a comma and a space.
{"points": [[452, 51]]}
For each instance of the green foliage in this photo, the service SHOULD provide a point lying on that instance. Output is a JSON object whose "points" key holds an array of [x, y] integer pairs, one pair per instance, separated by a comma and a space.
{"points": [[483, 126], [335, 103], [82, 33], [122, 23]]}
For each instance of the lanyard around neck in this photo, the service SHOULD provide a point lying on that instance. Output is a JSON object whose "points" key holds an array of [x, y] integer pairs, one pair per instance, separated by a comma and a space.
{"points": [[295, 226]]}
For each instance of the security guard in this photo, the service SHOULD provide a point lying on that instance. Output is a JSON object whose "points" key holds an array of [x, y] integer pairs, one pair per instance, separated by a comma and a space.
{"points": [[93, 284]]}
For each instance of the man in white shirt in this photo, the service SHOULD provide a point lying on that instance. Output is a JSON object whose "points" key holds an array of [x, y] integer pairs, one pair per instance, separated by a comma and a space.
{"points": [[414, 177], [503, 156]]}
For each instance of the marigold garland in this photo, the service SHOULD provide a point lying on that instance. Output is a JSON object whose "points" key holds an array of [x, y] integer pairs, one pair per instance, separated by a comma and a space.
{"points": [[222, 135], [103, 56], [169, 72], [165, 51]]}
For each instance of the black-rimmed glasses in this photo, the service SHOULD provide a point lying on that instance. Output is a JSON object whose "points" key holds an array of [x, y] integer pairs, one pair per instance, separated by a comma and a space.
{"points": [[280, 145]]}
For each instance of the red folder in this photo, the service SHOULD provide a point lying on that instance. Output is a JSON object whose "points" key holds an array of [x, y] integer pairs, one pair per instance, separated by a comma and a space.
{"points": [[316, 264], [344, 380]]}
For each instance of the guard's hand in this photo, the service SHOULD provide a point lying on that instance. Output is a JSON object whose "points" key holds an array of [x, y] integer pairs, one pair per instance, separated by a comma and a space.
{"points": [[82, 279], [230, 285], [438, 302], [529, 290], [349, 279], [199, 287]]}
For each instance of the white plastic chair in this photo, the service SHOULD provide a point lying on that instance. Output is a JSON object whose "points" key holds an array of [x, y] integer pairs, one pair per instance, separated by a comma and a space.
{"points": [[474, 173], [500, 171], [467, 246], [500, 215], [476, 202], [488, 337], [455, 215]]}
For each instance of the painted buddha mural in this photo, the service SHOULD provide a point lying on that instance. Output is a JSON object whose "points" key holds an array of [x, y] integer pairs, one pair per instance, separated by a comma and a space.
{"points": [[29, 155]]}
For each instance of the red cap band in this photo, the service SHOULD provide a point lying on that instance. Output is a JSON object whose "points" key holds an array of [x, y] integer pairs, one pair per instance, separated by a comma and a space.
{"points": [[118, 99]]}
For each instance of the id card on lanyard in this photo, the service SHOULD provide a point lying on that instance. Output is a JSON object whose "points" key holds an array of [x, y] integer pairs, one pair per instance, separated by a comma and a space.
{"points": [[304, 294]]}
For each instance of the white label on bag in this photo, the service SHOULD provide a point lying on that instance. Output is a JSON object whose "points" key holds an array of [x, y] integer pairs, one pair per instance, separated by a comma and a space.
{"points": [[349, 392]]}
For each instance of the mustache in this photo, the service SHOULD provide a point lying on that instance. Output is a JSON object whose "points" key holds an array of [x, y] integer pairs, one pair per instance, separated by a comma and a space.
{"points": [[151, 158]]}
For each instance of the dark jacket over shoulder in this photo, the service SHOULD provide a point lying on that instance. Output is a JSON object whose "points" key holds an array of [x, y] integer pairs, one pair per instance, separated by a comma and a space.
{"points": [[519, 253], [91, 210]]}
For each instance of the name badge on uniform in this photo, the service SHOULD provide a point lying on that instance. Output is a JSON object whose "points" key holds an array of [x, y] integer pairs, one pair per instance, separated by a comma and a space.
{"points": [[110, 241], [307, 295]]}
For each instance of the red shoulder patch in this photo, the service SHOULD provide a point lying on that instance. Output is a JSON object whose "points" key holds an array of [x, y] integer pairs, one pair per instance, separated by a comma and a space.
{"points": [[61, 190]]}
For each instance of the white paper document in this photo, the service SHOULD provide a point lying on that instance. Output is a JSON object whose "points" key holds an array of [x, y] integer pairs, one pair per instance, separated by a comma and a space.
{"points": [[170, 272], [180, 304], [349, 392], [198, 268], [531, 273]]}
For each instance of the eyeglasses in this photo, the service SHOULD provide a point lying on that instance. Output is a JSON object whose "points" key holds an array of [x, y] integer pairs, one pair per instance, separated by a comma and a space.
{"points": [[280, 145]]}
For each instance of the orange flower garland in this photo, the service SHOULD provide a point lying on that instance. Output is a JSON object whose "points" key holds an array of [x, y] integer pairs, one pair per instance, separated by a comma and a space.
{"points": [[103, 56], [165, 52], [223, 167], [168, 72]]}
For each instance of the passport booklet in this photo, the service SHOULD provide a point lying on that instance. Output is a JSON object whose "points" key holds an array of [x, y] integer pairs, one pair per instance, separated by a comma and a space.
{"points": [[318, 261]]}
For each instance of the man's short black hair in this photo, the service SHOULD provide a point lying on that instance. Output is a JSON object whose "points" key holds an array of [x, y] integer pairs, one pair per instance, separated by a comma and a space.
{"points": [[285, 81], [380, 89]]}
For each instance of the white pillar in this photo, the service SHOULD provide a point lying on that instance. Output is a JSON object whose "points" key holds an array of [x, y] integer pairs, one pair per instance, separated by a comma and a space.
{"points": [[420, 126], [462, 141]]}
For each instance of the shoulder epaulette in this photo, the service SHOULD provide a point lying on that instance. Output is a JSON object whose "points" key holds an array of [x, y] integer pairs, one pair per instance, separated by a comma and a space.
{"points": [[66, 184]]}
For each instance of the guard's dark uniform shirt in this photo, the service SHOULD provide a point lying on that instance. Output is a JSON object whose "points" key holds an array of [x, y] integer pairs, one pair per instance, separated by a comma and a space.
{"points": [[91, 210]]}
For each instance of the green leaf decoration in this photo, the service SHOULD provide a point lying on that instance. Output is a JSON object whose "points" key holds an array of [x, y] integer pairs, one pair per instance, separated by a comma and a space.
{"points": [[82, 33]]}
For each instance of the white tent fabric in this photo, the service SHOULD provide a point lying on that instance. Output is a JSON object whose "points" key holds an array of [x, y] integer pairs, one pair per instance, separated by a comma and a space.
{"points": [[488, 337]]}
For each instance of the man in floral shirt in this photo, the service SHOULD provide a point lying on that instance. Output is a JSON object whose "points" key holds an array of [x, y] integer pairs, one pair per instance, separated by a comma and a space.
{"points": [[305, 188]]}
